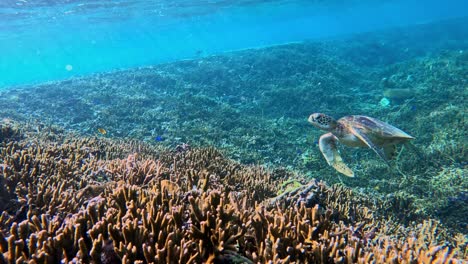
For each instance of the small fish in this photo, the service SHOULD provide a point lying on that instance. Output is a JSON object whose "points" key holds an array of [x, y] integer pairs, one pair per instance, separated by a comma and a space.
{"points": [[102, 131], [159, 138]]}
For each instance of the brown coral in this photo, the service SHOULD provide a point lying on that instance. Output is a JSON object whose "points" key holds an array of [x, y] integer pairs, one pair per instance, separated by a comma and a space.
{"points": [[102, 201]]}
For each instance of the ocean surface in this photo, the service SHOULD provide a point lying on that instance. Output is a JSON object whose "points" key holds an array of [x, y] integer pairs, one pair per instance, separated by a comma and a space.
{"points": [[233, 131], [53, 40]]}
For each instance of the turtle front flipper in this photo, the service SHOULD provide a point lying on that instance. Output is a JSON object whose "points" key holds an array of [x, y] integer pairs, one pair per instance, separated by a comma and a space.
{"points": [[364, 138], [327, 145]]}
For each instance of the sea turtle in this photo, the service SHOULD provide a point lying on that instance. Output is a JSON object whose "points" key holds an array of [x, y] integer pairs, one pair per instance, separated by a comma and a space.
{"points": [[356, 131]]}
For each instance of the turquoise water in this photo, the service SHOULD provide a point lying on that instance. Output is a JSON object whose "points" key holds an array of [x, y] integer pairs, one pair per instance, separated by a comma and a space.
{"points": [[52, 40]]}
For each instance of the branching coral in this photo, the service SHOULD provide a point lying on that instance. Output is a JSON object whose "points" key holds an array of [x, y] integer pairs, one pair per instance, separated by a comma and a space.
{"points": [[102, 201]]}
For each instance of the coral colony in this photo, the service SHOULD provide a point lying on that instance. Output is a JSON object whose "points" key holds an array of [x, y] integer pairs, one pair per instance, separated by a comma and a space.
{"points": [[95, 200]]}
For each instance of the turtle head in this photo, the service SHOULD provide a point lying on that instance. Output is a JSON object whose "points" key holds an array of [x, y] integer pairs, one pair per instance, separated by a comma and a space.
{"points": [[322, 121]]}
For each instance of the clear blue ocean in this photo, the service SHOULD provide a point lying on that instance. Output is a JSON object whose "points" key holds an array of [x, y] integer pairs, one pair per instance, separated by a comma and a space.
{"points": [[54, 40]]}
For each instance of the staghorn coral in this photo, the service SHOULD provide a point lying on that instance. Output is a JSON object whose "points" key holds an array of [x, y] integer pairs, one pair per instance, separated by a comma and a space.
{"points": [[99, 201]]}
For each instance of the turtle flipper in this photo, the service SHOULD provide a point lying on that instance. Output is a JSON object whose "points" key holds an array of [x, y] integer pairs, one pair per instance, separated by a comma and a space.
{"points": [[390, 151], [327, 145], [364, 138]]}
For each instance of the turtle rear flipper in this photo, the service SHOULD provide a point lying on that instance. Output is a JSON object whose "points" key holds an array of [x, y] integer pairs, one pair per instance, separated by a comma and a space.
{"points": [[364, 138], [390, 152], [327, 145]]}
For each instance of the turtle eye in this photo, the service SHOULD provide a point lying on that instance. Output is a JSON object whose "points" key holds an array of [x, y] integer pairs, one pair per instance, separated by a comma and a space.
{"points": [[319, 119]]}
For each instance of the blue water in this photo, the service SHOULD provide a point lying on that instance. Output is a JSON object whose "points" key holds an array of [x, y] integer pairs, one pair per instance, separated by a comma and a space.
{"points": [[51, 40]]}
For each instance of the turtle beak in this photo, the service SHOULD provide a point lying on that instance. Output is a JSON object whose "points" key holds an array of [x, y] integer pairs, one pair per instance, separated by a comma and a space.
{"points": [[320, 121], [313, 118]]}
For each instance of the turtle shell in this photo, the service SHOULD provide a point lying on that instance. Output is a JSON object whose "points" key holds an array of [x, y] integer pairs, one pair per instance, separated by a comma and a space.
{"points": [[380, 132]]}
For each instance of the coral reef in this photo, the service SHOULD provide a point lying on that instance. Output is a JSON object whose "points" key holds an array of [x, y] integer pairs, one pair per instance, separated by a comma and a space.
{"points": [[107, 201], [253, 104]]}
